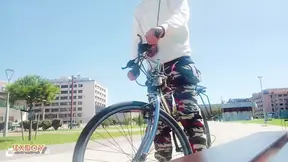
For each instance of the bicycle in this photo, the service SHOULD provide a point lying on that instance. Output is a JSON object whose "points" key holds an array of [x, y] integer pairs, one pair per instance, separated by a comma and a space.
{"points": [[152, 113]]}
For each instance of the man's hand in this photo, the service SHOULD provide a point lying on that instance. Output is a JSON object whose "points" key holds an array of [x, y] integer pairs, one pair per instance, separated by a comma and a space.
{"points": [[154, 34]]}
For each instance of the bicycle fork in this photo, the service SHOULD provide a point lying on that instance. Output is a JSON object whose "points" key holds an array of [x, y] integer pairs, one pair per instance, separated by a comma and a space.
{"points": [[150, 134]]}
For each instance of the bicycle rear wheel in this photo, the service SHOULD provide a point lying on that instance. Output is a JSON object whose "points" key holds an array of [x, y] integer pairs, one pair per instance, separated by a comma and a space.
{"points": [[134, 106]]}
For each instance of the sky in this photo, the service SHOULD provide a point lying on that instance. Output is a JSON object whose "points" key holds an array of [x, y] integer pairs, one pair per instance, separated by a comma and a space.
{"points": [[233, 42]]}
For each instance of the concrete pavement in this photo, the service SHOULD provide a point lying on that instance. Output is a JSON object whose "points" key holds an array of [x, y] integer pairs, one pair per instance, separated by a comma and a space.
{"points": [[224, 132]]}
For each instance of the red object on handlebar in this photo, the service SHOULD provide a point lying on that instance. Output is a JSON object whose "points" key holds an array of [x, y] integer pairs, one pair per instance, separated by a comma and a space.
{"points": [[132, 75]]}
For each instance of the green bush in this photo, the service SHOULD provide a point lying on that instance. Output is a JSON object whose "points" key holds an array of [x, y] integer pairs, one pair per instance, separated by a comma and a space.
{"points": [[106, 123], [78, 124], [25, 125], [34, 125], [56, 123], [2, 124], [10, 126], [46, 124]]}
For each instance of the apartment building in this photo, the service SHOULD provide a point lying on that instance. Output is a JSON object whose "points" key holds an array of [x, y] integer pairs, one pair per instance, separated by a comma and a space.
{"points": [[272, 100], [87, 97]]}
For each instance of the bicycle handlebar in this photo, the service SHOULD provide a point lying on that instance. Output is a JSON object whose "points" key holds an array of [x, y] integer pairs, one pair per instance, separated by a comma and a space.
{"points": [[142, 48]]}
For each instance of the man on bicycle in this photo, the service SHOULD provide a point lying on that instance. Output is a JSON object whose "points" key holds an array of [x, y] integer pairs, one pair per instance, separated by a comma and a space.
{"points": [[164, 24]]}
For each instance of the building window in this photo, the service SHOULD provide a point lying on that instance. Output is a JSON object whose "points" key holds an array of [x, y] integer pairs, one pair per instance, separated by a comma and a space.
{"points": [[79, 103], [55, 110], [74, 97], [64, 98], [79, 108], [64, 86], [80, 85], [37, 105], [55, 104], [79, 97], [63, 103], [47, 104], [62, 115], [11, 118], [73, 91], [75, 85], [79, 115], [47, 110], [80, 91], [64, 92], [63, 109]]}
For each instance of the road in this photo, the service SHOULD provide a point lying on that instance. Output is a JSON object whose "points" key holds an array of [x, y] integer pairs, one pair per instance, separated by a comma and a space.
{"points": [[224, 132]]}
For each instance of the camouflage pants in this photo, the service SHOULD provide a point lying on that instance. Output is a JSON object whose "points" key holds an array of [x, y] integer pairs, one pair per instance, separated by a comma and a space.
{"points": [[185, 79]]}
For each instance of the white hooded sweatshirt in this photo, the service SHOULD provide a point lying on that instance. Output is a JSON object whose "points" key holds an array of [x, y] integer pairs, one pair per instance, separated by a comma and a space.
{"points": [[173, 17]]}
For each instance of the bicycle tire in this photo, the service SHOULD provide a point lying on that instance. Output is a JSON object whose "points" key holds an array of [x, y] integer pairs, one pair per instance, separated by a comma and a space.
{"points": [[80, 147], [206, 130]]}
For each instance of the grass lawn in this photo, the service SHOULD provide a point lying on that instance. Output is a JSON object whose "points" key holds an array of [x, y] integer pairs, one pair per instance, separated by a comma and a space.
{"points": [[276, 122], [78, 130], [51, 138]]}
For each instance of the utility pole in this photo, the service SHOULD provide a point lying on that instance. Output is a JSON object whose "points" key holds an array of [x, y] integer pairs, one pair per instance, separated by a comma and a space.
{"points": [[262, 96], [72, 100], [5, 131]]}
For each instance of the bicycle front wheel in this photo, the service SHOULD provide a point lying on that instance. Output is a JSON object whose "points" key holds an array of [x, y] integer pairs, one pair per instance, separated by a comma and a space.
{"points": [[112, 112], [206, 130]]}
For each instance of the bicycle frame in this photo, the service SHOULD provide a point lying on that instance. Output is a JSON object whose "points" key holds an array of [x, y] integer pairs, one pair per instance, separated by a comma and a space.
{"points": [[158, 99]]}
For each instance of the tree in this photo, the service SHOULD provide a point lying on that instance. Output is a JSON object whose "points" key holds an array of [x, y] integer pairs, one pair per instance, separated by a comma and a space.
{"points": [[216, 111], [33, 89]]}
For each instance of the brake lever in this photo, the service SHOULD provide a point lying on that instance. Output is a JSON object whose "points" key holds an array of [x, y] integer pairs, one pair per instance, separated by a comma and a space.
{"points": [[129, 64], [124, 68]]}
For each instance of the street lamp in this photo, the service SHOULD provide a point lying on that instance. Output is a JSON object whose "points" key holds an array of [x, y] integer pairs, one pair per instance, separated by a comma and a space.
{"points": [[262, 96], [9, 74]]}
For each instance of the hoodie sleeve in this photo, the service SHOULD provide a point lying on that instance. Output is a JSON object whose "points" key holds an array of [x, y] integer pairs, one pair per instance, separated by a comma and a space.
{"points": [[180, 17]]}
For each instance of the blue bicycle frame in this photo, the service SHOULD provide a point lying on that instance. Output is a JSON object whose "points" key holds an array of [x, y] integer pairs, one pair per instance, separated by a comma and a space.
{"points": [[152, 125]]}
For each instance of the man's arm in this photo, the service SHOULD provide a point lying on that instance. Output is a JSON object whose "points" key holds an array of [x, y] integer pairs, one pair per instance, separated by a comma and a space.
{"points": [[181, 14]]}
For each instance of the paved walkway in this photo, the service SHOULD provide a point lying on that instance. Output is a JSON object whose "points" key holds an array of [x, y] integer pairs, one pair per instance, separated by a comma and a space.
{"points": [[224, 132]]}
